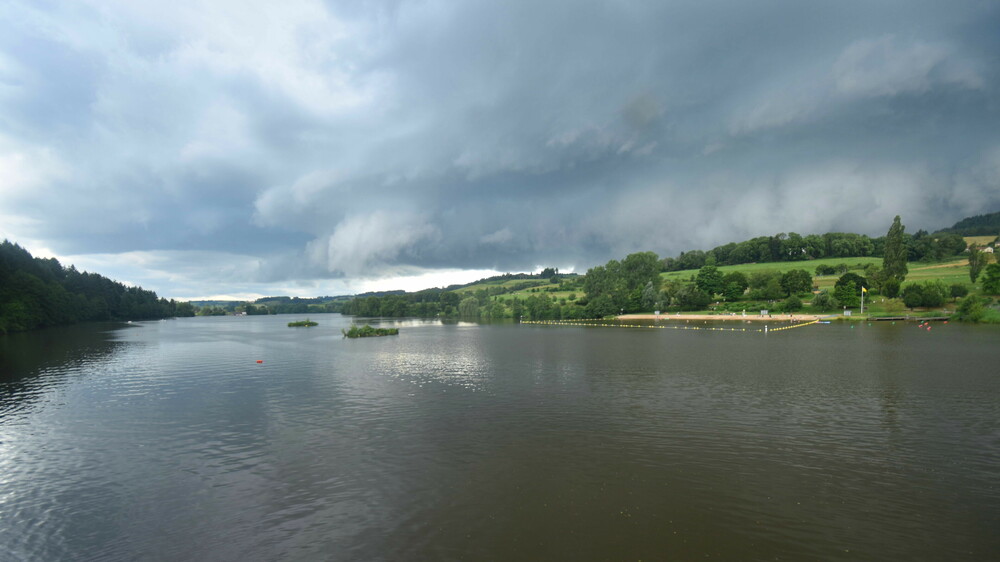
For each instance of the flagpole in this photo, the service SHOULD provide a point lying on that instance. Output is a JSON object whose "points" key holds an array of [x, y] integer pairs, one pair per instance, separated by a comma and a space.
{"points": [[863, 291]]}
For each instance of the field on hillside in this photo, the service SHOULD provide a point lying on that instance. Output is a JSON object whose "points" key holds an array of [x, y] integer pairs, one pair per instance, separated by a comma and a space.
{"points": [[951, 271], [979, 240], [954, 271], [505, 284], [530, 287], [853, 264]]}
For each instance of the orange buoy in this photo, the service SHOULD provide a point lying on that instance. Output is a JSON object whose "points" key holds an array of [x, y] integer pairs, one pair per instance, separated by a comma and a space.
{"points": [[260, 360]]}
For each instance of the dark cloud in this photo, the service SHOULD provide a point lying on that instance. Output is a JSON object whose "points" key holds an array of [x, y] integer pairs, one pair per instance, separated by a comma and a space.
{"points": [[302, 142]]}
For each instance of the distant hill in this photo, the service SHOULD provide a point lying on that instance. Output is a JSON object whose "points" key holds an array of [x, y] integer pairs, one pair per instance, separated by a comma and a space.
{"points": [[979, 225]]}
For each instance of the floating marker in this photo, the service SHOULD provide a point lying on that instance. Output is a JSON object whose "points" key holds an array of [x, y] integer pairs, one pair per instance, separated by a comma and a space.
{"points": [[260, 361]]}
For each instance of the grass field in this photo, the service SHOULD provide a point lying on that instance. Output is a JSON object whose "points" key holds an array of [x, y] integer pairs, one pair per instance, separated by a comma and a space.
{"points": [[979, 240], [537, 287], [506, 284], [951, 271], [824, 282]]}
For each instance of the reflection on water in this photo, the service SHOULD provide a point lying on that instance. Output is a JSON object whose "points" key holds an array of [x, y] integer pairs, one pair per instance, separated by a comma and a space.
{"points": [[167, 440]]}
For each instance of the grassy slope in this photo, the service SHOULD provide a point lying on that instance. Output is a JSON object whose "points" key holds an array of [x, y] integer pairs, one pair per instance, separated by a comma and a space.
{"points": [[950, 271], [508, 283], [824, 282], [539, 284], [980, 240]]}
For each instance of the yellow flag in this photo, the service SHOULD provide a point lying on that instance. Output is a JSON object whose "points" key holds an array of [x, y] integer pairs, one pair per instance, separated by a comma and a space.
{"points": [[863, 290]]}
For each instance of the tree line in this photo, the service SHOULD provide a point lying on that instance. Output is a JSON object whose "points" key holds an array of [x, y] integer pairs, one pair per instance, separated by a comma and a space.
{"points": [[39, 292], [979, 225], [635, 284], [783, 247]]}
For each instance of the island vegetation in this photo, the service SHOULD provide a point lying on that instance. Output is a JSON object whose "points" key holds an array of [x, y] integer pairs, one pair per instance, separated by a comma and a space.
{"points": [[307, 323], [367, 331]]}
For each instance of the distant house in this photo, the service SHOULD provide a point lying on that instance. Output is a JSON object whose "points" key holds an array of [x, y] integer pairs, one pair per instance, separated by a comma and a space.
{"points": [[987, 249]]}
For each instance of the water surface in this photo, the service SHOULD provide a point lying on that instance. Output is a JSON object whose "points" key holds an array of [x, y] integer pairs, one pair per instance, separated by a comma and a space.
{"points": [[168, 441]]}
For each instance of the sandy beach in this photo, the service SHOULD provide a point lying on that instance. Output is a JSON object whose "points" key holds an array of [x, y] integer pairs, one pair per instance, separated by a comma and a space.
{"points": [[725, 317]]}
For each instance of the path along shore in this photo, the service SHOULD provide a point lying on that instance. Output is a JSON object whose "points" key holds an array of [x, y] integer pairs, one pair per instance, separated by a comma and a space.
{"points": [[725, 317]]}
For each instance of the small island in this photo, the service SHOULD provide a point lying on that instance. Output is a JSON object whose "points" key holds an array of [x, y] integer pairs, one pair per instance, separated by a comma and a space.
{"points": [[307, 323], [368, 332]]}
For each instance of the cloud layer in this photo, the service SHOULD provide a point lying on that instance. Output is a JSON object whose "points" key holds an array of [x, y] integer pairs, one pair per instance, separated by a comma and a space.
{"points": [[308, 147]]}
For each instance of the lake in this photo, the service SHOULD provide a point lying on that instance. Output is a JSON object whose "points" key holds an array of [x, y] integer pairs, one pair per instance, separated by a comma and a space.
{"points": [[460, 441]]}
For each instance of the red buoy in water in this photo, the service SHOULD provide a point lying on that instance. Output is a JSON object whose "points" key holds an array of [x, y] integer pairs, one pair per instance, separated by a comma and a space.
{"points": [[260, 360]]}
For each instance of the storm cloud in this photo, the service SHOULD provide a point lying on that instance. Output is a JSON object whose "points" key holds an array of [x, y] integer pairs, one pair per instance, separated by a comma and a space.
{"points": [[304, 147]]}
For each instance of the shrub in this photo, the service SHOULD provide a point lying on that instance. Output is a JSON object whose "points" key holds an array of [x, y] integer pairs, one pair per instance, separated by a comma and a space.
{"points": [[958, 290], [825, 302], [791, 304]]}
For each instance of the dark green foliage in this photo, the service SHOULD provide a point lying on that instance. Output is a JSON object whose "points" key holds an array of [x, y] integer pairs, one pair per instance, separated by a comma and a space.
{"points": [[734, 285], [766, 286], [760, 279], [848, 289], [979, 225], [890, 288], [368, 332], [307, 323], [991, 279], [791, 304], [928, 294], [796, 281], [913, 296], [977, 261], [710, 279], [780, 247], [541, 307], [926, 247], [690, 297], [958, 290], [650, 297], [619, 286], [894, 260], [825, 302], [469, 307], [825, 269], [36, 292], [601, 306], [974, 308]]}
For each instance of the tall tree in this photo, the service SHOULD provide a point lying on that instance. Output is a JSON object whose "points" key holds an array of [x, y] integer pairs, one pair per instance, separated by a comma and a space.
{"points": [[977, 261], [894, 262]]}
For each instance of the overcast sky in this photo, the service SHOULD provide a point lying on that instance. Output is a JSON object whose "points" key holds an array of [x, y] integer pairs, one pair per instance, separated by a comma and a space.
{"points": [[249, 148]]}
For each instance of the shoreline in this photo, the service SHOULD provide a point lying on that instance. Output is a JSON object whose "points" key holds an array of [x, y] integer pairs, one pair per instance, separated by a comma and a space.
{"points": [[725, 317]]}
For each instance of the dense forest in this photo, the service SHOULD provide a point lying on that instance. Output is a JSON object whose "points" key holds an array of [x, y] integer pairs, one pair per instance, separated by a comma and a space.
{"points": [[979, 225], [37, 292]]}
